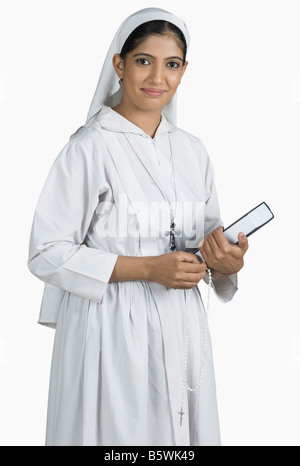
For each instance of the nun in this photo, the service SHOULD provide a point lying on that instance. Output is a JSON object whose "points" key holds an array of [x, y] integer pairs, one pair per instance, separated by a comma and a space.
{"points": [[129, 193]]}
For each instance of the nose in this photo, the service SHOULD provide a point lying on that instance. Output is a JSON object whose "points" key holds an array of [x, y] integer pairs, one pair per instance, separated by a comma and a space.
{"points": [[157, 74]]}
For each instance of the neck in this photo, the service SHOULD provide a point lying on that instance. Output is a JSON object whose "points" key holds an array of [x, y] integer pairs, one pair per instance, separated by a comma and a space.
{"points": [[147, 120]]}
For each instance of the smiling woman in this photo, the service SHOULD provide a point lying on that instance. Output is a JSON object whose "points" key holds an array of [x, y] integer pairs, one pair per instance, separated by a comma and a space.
{"points": [[131, 328], [151, 65]]}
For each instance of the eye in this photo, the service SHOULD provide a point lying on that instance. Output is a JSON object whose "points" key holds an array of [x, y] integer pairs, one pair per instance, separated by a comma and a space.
{"points": [[142, 61], [173, 64]]}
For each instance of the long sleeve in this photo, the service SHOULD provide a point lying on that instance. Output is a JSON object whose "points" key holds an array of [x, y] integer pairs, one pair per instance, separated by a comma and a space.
{"points": [[57, 252], [225, 288]]}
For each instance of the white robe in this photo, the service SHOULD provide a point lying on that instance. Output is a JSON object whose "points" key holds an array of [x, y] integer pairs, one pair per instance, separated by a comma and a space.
{"points": [[118, 356]]}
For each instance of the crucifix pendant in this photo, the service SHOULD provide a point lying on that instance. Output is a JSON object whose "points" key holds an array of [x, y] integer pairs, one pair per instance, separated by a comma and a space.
{"points": [[173, 233], [181, 415]]}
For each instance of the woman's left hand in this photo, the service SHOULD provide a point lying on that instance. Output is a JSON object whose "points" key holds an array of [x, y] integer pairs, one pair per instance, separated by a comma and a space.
{"points": [[222, 256]]}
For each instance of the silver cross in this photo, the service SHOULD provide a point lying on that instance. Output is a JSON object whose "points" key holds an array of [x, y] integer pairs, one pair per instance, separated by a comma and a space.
{"points": [[172, 233], [181, 415]]}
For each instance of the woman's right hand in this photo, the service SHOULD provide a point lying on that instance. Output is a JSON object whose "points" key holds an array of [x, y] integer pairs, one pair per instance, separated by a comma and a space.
{"points": [[179, 270]]}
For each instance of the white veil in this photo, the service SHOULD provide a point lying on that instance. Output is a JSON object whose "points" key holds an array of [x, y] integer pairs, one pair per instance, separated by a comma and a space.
{"points": [[109, 91]]}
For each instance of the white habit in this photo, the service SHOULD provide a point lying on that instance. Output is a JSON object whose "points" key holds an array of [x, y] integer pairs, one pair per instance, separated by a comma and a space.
{"points": [[118, 357]]}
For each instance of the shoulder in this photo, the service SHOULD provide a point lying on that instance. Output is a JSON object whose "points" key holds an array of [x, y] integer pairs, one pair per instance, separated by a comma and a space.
{"points": [[195, 143], [83, 145], [86, 136]]}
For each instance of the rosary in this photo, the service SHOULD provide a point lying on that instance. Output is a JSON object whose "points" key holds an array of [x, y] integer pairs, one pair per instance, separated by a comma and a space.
{"points": [[185, 385], [173, 233]]}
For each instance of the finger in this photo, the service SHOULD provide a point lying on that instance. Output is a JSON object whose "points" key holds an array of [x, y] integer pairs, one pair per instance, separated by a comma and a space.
{"points": [[194, 277], [188, 257], [220, 238], [187, 284], [213, 244], [206, 247], [196, 268], [205, 252], [243, 242]]}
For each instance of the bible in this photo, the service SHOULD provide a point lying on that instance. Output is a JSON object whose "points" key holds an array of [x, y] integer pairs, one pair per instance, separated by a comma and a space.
{"points": [[247, 224]]}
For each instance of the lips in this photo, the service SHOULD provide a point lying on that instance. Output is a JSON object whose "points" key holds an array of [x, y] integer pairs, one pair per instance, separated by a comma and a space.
{"points": [[153, 92]]}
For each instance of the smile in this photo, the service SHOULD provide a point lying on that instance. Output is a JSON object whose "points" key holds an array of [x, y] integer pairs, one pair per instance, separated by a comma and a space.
{"points": [[153, 92]]}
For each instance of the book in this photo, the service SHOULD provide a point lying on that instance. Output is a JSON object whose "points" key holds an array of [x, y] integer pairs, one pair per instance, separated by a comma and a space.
{"points": [[248, 224]]}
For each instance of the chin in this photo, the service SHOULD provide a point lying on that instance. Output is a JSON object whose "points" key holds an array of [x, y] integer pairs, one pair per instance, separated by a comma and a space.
{"points": [[149, 103]]}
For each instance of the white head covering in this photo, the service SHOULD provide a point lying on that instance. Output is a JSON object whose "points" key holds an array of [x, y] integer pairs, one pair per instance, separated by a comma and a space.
{"points": [[109, 90]]}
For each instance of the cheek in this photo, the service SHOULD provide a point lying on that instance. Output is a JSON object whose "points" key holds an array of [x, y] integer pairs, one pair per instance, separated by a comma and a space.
{"points": [[173, 79], [136, 77]]}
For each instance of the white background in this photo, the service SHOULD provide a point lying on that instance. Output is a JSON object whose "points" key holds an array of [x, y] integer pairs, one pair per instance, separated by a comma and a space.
{"points": [[241, 96]]}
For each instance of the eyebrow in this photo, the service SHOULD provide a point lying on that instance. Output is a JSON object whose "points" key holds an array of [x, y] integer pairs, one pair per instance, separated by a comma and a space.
{"points": [[151, 56]]}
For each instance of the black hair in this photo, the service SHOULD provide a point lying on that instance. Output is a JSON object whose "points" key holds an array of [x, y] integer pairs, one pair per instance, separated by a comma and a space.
{"points": [[160, 27]]}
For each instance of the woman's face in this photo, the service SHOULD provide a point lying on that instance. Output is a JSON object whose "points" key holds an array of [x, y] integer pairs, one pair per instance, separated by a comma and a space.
{"points": [[151, 72]]}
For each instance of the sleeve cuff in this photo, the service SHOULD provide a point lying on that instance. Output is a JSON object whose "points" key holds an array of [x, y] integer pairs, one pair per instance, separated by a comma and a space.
{"points": [[92, 282], [225, 288]]}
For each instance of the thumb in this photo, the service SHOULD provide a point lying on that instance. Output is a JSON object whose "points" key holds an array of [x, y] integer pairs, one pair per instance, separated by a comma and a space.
{"points": [[243, 242]]}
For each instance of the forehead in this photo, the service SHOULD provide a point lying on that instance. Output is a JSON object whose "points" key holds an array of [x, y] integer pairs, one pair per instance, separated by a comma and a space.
{"points": [[161, 45]]}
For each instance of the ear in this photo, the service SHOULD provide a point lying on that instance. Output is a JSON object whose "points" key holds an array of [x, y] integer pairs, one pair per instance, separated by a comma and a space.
{"points": [[183, 70], [185, 67], [119, 65]]}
